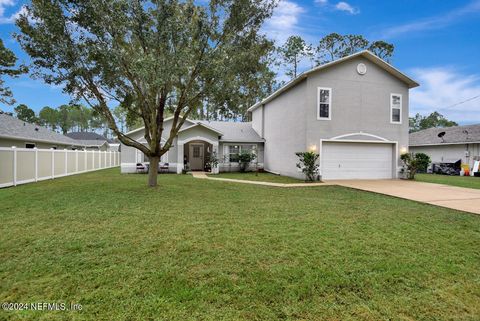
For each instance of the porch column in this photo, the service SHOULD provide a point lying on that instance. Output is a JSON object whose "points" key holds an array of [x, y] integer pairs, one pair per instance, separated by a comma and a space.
{"points": [[179, 157], [215, 150]]}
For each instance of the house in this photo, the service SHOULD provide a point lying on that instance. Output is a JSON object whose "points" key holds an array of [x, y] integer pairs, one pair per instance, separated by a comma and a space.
{"points": [[91, 141], [448, 144], [21, 134], [352, 111]]}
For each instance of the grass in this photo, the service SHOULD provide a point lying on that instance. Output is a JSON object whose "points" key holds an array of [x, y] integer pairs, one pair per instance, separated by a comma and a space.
{"points": [[461, 181], [263, 177], [207, 250]]}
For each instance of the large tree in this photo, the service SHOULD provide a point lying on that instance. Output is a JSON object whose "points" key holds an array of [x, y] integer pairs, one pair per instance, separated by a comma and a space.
{"points": [[152, 57], [292, 52], [49, 117], [7, 68], [435, 119], [25, 113]]}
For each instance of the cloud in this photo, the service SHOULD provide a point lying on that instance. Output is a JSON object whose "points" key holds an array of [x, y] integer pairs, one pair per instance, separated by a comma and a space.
{"points": [[321, 2], [284, 21], [344, 6], [433, 22], [440, 88], [9, 19]]}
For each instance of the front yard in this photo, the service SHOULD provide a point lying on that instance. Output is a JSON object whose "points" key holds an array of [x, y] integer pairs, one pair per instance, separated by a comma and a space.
{"points": [[201, 249], [461, 181]]}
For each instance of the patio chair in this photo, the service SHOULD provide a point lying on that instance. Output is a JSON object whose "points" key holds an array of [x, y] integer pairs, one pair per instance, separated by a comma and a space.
{"points": [[142, 168], [163, 167]]}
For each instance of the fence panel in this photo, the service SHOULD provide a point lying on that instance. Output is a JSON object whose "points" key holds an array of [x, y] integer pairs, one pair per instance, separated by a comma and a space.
{"points": [[23, 165]]}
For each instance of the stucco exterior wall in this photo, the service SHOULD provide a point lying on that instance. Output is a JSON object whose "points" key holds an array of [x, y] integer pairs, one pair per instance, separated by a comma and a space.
{"points": [[360, 104], [257, 120], [284, 130], [449, 153]]}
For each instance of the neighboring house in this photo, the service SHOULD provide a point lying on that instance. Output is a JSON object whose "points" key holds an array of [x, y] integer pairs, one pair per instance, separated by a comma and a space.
{"points": [[352, 111], [448, 144], [91, 141], [21, 134]]}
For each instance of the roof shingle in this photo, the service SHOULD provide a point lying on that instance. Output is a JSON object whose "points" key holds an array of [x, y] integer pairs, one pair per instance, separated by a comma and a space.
{"points": [[453, 135]]}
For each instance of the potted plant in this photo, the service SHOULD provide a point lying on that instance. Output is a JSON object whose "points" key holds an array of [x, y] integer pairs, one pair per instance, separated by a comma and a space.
{"points": [[212, 162]]}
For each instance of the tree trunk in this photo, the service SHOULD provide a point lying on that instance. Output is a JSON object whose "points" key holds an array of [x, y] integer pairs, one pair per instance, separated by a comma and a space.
{"points": [[153, 171]]}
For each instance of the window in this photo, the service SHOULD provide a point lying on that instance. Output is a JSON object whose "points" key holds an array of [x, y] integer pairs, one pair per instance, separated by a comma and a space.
{"points": [[235, 150], [324, 103], [396, 108], [30, 145]]}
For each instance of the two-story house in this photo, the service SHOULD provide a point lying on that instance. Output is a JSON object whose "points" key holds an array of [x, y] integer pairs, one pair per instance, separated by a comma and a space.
{"points": [[352, 111]]}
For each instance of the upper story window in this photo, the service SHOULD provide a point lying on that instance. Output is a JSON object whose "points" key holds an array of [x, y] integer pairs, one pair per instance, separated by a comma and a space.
{"points": [[324, 103], [396, 108]]}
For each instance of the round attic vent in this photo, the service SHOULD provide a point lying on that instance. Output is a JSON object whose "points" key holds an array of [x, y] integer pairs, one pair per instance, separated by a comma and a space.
{"points": [[361, 69]]}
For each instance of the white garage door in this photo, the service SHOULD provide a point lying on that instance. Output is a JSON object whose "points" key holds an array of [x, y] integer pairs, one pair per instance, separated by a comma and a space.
{"points": [[356, 160]]}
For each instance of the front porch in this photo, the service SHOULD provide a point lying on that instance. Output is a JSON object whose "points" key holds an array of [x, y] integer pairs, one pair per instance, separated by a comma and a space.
{"points": [[195, 154]]}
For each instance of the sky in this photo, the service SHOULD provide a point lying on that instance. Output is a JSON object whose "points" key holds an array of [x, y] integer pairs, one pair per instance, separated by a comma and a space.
{"points": [[437, 43]]}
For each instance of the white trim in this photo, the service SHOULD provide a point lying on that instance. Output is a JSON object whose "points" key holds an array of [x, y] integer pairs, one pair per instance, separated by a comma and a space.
{"points": [[391, 109], [395, 168], [53, 142], [203, 125], [360, 134], [329, 103], [185, 141]]}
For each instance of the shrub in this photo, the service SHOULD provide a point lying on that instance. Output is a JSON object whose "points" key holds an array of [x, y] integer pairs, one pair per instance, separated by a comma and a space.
{"points": [[414, 163], [244, 158], [308, 164]]}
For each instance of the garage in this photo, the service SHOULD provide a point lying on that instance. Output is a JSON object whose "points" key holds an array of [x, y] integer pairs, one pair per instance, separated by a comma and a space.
{"points": [[354, 160]]}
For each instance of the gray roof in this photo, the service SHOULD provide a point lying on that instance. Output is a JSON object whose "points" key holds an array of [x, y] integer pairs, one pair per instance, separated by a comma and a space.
{"points": [[453, 135], [234, 131], [13, 128], [87, 136], [88, 142]]}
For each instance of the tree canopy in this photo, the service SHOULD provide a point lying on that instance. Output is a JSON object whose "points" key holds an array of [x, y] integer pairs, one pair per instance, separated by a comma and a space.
{"points": [[7, 68], [152, 57], [435, 119]]}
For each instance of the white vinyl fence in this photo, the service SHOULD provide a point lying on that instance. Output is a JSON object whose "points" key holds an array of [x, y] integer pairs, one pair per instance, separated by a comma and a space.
{"points": [[26, 165]]}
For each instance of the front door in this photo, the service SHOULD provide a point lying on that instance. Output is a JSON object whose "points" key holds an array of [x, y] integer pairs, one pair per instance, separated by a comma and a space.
{"points": [[196, 157]]}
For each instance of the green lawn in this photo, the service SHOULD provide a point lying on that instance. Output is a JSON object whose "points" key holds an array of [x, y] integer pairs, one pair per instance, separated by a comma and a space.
{"points": [[207, 250], [264, 177], [462, 181]]}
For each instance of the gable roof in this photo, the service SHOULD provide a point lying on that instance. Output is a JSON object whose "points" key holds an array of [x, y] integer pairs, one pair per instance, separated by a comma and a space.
{"points": [[87, 136], [229, 131], [202, 124], [16, 129], [365, 54], [453, 135], [235, 131]]}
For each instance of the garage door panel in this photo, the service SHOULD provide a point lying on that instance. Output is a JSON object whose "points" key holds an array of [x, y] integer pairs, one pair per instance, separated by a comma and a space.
{"points": [[356, 161]]}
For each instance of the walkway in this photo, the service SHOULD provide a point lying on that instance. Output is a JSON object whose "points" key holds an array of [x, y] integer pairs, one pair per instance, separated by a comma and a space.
{"points": [[203, 175]]}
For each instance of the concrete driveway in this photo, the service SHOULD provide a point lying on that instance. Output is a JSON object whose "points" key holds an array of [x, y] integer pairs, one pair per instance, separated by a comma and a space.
{"points": [[458, 198]]}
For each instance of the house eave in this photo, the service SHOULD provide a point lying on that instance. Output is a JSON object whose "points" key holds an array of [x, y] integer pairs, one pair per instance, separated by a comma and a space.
{"points": [[37, 140]]}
